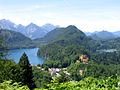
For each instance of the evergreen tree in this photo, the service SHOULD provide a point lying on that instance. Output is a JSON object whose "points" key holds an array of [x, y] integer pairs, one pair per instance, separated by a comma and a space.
{"points": [[26, 76], [1, 47]]}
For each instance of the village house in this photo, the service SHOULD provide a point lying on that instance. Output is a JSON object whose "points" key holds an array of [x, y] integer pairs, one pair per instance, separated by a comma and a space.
{"points": [[54, 71], [83, 58]]}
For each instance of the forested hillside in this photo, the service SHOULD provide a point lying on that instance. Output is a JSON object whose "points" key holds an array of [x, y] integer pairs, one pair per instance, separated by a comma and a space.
{"points": [[66, 47], [12, 39], [59, 34], [68, 44]]}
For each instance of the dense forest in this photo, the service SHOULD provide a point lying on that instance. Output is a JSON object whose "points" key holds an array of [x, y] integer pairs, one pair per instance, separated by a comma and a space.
{"points": [[63, 53]]}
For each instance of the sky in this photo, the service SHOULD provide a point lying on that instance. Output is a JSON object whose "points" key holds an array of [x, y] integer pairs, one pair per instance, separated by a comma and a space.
{"points": [[87, 15]]}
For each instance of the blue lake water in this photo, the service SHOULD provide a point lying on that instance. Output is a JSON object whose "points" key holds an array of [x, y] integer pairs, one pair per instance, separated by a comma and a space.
{"points": [[107, 50], [31, 53]]}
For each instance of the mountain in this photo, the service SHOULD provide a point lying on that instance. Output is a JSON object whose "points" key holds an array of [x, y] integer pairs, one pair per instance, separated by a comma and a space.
{"points": [[69, 33], [117, 33], [6, 24], [14, 39], [20, 28], [88, 33], [62, 46], [49, 27], [32, 30], [102, 35]]}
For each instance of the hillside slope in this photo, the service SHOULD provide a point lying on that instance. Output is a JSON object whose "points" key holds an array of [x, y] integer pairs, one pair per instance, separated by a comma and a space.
{"points": [[64, 46], [14, 39], [69, 33]]}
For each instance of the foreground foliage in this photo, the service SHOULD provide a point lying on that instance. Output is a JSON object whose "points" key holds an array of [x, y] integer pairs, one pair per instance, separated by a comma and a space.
{"points": [[21, 72], [89, 83], [8, 85]]}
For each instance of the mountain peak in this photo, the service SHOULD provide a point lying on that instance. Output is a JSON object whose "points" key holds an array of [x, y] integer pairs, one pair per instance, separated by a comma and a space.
{"points": [[48, 24], [104, 31], [20, 25], [49, 27], [6, 21], [6, 24], [32, 24], [31, 30], [65, 34], [72, 27]]}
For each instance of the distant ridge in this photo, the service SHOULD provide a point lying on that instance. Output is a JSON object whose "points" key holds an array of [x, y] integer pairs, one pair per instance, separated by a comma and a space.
{"points": [[32, 30], [102, 35]]}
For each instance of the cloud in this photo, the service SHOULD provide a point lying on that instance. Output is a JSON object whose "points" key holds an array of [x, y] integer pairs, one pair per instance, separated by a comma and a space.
{"points": [[24, 9], [87, 17]]}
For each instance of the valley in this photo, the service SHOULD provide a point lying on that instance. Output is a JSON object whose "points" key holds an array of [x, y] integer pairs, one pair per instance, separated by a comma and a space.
{"points": [[61, 56], [59, 45]]}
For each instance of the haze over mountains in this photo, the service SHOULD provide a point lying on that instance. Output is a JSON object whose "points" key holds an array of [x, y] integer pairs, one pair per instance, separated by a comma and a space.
{"points": [[103, 35], [32, 30]]}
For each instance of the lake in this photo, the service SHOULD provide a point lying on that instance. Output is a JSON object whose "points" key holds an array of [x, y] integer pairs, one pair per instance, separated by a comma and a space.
{"points": [[107, 50], [31, 53]]}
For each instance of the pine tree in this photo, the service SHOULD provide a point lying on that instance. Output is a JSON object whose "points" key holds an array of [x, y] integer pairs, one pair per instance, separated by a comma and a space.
{"points": [[26, 76], [1, 48]]}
